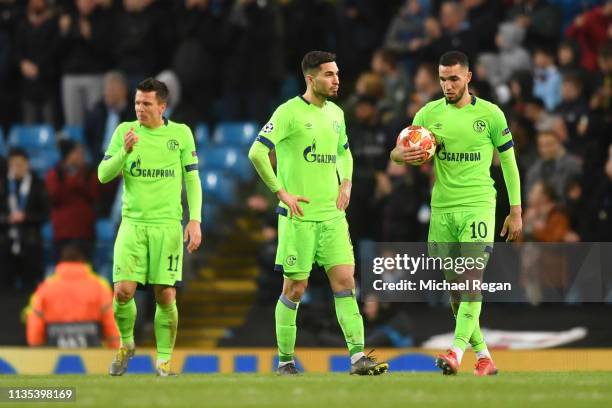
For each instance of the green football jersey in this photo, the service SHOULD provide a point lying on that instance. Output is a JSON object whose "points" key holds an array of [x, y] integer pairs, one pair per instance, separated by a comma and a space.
{"points": [[466, 138], [153, 171], [307, 140]]}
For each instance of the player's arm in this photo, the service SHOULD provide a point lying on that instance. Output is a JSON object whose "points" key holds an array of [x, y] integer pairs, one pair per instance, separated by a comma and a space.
{"points": [[410, 155], [502, 140], [193, 188], [344, 165], [272, 133], [121, 145]]}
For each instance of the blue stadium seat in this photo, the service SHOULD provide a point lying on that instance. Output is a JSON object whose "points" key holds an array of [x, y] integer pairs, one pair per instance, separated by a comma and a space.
{"points": [[103, 252], [219, 186], [202, 136], [236, 134], [32, 136], [74, 133], [210, 211], [39, 142], [234, 161], [105, 229]]}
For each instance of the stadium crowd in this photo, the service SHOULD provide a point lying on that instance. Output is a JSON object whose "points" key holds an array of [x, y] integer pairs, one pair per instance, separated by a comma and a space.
{"points": [[547, 63]]}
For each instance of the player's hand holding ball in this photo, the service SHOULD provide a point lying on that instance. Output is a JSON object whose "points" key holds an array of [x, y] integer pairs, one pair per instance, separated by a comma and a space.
{"points": [[129, 140], [415, 145]]}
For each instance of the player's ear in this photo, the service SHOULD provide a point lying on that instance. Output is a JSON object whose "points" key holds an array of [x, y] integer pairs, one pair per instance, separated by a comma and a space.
{"points": [[469, 76], [309, 79]]}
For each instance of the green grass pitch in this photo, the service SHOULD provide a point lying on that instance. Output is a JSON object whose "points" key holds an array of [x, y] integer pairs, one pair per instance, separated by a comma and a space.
{"points": [[568, 389]]}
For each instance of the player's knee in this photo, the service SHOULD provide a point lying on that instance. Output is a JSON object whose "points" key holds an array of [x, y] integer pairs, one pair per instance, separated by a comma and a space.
{"points": [[455, 296], [344, 282], [165, 296], [296, 291], [122, 295]]}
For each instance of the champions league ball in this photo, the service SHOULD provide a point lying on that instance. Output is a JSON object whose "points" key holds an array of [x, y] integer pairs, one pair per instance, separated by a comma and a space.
{"points": [[418, 136]]}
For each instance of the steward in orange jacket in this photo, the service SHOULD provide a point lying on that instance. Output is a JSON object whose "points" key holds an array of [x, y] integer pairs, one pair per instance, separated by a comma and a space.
{"points": [[72, 308]]}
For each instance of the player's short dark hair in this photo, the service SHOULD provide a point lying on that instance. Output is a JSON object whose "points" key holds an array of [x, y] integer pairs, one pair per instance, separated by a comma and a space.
{"points": [[313, 60], [153, 85], [18, 152], [450, 58]]}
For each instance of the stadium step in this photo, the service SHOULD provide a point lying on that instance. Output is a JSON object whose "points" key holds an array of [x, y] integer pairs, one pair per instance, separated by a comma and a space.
{"points": [[211, 321], [224, 287]]}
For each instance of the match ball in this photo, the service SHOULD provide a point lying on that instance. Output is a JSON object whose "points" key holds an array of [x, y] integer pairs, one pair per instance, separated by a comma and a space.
{"points": [[418, 136]]}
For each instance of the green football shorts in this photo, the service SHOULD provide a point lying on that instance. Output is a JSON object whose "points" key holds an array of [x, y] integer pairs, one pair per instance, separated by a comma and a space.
{"points": [[462, 234], [303, 243], [149, 254]]}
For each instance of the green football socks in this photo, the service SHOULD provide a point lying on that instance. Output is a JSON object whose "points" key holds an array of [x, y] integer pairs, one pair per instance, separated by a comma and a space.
{"points": [[166, 323], [286, 330], [351, 322], [467, 320], [125, 317], [477, 339]]}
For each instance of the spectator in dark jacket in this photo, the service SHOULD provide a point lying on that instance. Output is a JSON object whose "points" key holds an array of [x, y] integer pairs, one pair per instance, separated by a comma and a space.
{"points": [[143, 36], [101, 122], [107, 113], [554, 166], [247, 86], [73, 189], [541, 20], [37, 44], [22, 212], [85, 55], [574, 110]]}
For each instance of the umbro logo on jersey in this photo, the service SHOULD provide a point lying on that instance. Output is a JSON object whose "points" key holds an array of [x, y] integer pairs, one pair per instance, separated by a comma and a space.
{"points": [[436, 126], [308, 125]]}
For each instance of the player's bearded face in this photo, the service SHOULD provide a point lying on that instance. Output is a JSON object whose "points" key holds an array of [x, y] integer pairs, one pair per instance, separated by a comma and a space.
{"points": [[454, 81], [327, 82], [149, 109]]}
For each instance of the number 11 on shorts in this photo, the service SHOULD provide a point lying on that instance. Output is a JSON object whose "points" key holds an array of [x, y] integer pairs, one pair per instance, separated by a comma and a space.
{"points": [[170, 263]]}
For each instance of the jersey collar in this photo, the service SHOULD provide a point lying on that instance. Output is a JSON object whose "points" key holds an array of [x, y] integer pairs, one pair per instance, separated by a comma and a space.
{"points": [[472, 102]]}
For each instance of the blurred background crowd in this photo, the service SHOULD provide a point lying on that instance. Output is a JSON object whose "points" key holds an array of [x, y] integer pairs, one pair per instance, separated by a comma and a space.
{"points": [[68, 69]]}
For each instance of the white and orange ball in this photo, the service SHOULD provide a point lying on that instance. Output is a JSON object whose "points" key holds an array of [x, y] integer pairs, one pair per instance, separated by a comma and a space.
{"points": [[418, 136]]}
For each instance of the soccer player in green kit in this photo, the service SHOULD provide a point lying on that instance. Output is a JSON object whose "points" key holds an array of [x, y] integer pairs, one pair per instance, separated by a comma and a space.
{"points": [[313, 184], [155, 156], [467, 130]]}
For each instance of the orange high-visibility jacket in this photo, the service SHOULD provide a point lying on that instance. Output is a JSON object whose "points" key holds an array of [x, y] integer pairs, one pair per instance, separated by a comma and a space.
{"points": [[74, 293]]}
